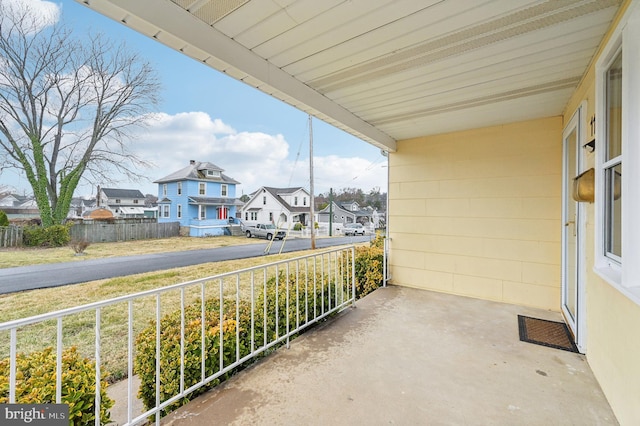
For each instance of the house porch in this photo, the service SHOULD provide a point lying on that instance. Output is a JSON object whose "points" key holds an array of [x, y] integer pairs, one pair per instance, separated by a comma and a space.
{"points": [[408, 356]]}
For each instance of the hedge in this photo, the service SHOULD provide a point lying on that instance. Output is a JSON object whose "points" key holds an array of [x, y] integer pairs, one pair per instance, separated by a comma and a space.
{"points": [[36, 384], [170, 326], [369, 276], [52, 236]]}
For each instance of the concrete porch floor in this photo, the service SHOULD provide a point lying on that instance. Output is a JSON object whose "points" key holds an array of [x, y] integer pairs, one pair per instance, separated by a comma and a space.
{"points": [[407, 356]]}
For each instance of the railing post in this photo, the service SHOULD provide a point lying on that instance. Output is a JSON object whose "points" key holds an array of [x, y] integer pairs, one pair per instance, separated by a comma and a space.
{"points": [[12, 367], [98, 372], [353, 276], [385, 261]]}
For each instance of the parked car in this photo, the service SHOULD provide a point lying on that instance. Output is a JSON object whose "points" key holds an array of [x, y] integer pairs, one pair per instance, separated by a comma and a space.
{"points": [[354, 229], [264, 230]]}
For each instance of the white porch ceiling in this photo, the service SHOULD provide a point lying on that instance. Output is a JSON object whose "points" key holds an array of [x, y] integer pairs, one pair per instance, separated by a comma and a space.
{"points": [[387, 70]]}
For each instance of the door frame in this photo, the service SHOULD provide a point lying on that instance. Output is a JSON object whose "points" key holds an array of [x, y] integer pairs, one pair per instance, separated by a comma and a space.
{"points": [[577, 327]]}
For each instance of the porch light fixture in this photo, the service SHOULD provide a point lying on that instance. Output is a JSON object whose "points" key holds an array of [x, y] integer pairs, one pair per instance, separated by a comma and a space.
{"points": [[590, 146]]}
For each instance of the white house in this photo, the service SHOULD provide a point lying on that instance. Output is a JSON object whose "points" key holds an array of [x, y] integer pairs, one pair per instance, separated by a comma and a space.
{"points": [[281, 206], [124, 203]]}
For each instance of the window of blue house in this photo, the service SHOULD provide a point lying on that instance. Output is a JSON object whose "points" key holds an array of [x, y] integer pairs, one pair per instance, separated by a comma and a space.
{"points": [[179, 211], [179, 188], [202, 188], [223, 190]]}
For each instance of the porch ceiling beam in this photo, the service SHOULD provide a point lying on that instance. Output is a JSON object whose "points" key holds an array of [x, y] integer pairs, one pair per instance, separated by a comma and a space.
{"points": [[171, 19]]}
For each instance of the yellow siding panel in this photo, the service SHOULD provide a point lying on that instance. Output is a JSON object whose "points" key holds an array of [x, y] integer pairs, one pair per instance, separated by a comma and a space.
{"points": [[482, 288], [538, 296], [408, 258], [541, 274], [489, 268], [426, 280], [613, 321], [482, 206]]}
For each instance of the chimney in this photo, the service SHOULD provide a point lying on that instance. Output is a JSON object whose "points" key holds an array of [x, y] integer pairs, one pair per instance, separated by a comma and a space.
{"points": [[192, 162]]}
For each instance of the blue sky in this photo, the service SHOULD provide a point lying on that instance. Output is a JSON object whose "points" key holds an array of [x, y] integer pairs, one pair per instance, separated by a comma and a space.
{"points": [[205, 115]]}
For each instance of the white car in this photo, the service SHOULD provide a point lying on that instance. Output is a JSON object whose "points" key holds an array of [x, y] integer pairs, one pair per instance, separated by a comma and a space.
{"points": [[354, 229]]}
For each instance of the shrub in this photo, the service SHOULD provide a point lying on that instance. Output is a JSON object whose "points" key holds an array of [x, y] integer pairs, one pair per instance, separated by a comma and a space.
{"points": [[36, 384], [52, 236], [236, 335], [145, 360], [4, 220], [297, 227], [79, 246], [369, 265]]}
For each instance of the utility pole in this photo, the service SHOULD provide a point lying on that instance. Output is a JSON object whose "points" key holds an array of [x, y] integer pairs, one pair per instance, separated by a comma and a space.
{"points": [[312, 201]]}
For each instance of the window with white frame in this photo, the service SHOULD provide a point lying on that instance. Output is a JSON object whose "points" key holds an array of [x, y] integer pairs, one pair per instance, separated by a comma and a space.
{"points": [[179, 188], [202, 212], [165, 211], [202, 188], [254, 215], [295, 201], [179, 212], [617, 203], [264, 200], [223, 190], [164, 190], [612, 161]]}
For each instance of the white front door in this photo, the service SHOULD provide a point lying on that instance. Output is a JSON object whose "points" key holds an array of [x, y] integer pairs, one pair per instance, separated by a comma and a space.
{"points": [[572, 236]]}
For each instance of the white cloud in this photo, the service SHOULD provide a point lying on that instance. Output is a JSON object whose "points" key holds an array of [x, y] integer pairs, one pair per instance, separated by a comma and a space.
{"points": [[252, 158], [45, 13]]}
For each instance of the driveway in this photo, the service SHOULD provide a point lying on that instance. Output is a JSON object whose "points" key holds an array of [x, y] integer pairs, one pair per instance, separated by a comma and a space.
{"points": [[59, 274]]}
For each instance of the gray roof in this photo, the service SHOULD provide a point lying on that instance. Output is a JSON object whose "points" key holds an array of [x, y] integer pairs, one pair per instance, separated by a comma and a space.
{"points": [[122, 193], [194, 171], [337, 208]]}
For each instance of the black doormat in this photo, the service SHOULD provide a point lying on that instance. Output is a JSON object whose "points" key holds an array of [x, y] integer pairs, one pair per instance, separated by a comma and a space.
{"points": [[546, 333]]}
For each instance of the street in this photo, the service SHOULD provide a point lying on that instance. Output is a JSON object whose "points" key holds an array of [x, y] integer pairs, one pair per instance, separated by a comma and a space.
{"points": [[59, 274]]}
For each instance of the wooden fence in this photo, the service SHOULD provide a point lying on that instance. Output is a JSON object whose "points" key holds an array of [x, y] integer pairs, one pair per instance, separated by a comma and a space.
{"points": [[10, 236], [110, 232]]}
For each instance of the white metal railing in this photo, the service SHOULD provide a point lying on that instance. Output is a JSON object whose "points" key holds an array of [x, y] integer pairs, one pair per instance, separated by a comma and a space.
{"points": [[320, 284], [385, 261]]}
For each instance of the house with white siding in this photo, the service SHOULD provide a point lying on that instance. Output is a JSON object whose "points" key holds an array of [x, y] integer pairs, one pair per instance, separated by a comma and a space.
{"points": [[284, 207]]}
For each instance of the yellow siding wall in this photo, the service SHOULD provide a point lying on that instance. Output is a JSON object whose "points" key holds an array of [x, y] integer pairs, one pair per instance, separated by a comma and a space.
{"points": [[477, 213], [613, 348], [613, 320]]}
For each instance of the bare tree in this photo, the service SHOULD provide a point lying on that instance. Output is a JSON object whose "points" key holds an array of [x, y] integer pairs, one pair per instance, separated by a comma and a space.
{"points": [[68, 106]]}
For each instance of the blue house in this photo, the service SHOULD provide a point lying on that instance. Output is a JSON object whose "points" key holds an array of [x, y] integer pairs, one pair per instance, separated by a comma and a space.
{"points": [[201, 197]]}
